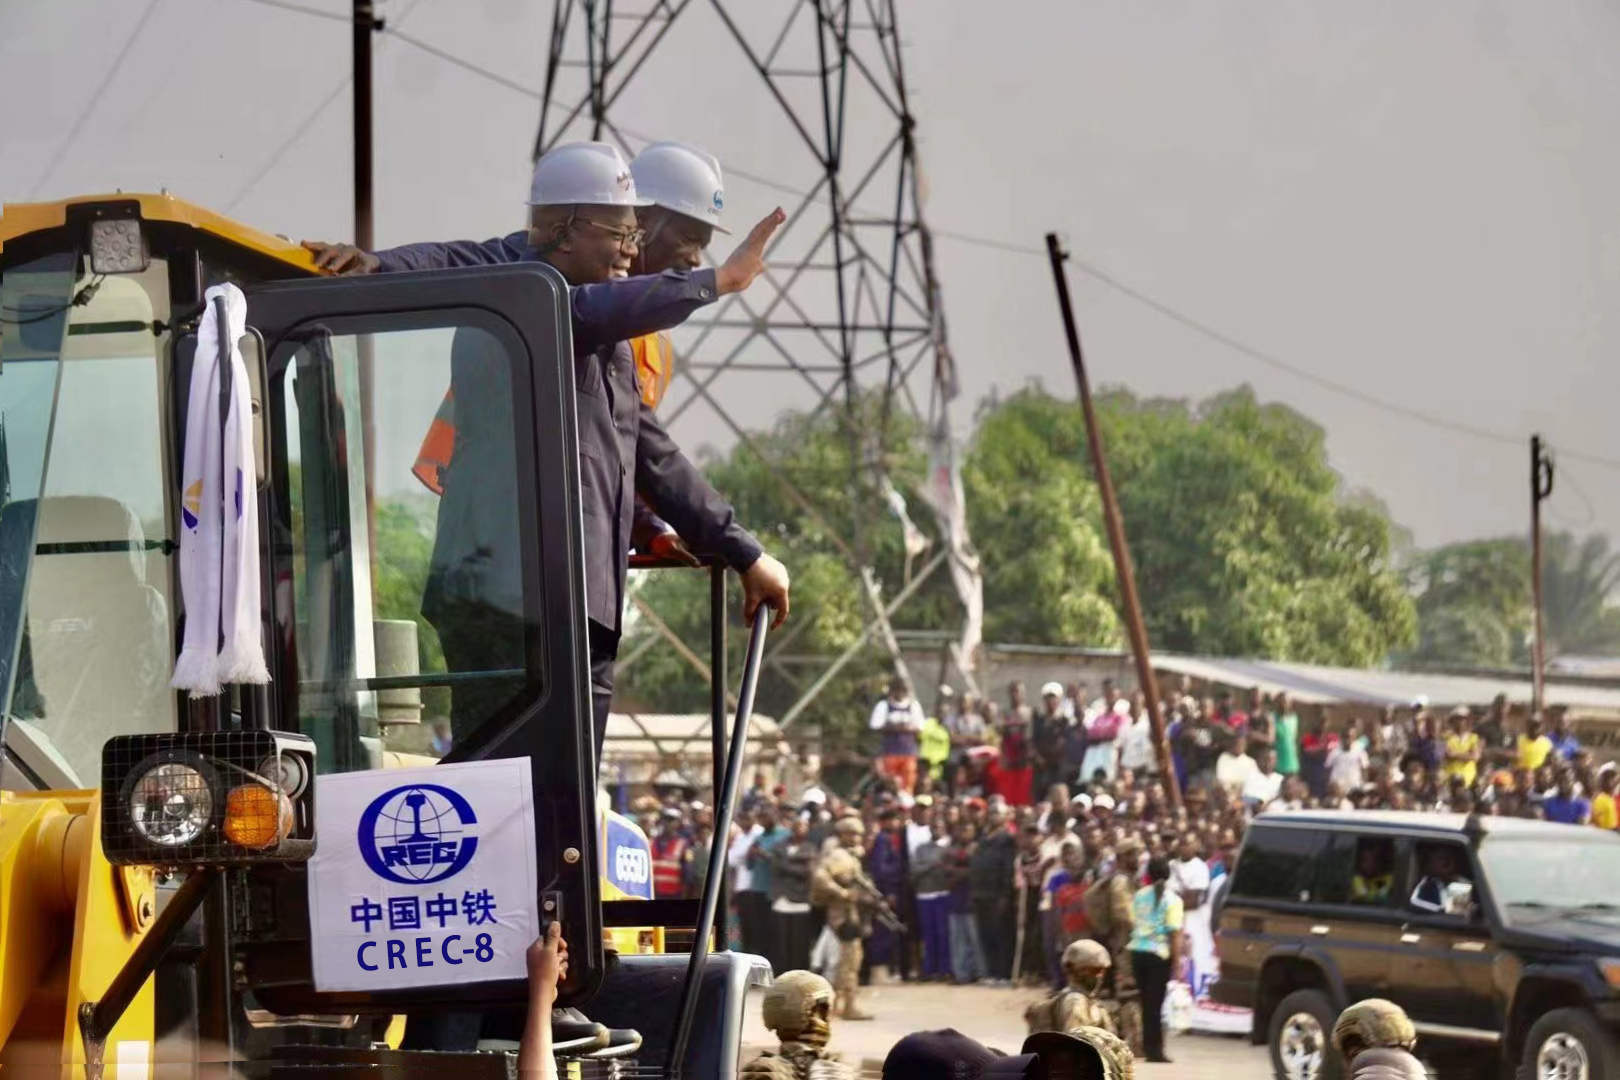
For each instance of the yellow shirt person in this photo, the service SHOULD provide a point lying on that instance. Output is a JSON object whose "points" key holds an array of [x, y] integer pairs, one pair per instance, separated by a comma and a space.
{"points": [[1462, 753], [1534, 751], [1604, 813]]}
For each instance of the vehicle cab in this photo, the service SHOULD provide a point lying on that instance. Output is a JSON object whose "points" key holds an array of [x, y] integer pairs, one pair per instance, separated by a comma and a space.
{"points": [[1500, 938], [367, 622]]}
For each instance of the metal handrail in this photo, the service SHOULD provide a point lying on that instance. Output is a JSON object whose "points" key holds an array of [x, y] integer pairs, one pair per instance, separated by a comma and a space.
{"points": [[725, 805]]}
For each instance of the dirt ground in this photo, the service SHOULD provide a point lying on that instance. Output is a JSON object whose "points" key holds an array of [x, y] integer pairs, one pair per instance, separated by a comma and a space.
{"points": [[995, 1017]]}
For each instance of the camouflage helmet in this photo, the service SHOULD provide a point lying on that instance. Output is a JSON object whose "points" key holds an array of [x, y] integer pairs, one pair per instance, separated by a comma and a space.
{"points": [[1086, 953], [1373, 1023], [797, 1006]]}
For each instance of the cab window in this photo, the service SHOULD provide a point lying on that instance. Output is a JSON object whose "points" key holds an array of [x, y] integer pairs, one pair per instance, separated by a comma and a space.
{"points": [[82, 448], [400, 563]]}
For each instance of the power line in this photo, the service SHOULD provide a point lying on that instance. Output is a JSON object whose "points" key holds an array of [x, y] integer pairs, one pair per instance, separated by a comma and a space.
{"points": [[1090, 269], [95, 99], [335, 16], [320, 109]]}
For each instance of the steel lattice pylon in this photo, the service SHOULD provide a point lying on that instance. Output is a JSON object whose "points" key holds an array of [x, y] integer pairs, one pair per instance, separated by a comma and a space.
{"points": [[850, 303]]}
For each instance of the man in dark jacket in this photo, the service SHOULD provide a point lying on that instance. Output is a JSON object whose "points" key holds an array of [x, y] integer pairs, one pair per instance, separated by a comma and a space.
{"points": [[990, 878], [583, 223]]}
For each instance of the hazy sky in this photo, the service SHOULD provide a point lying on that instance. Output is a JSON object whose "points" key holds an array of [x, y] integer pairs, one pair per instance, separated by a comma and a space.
{"points": [[1413, 199]]}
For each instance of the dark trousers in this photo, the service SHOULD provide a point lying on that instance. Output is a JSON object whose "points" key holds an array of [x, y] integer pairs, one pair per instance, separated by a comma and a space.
{"points": [[754, 913], [1152, 980], [1052, 945], [996, 931], [934, 927], [793, 940], [478, 638]]}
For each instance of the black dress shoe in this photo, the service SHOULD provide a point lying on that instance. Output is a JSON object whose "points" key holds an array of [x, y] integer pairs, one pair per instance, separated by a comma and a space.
{"points": [[570, 1036]]}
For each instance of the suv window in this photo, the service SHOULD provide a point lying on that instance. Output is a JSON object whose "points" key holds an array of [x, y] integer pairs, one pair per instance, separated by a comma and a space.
{"points": [[1279, 864], [1435, 866], [1359, 871]]}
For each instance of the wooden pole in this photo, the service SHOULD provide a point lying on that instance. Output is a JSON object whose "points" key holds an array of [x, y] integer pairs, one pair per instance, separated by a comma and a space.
{"points": [[1134, 625]]}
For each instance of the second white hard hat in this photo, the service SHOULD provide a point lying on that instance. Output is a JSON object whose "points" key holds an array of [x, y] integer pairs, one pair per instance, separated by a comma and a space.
{"points": [[681, 178], [584, 174]]}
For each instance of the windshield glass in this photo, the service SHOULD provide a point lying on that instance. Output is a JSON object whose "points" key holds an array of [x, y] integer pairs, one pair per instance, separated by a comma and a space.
{"points": [[85, 638], [1530, 874]]}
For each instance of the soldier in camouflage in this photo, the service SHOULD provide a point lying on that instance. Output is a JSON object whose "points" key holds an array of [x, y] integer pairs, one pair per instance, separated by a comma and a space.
{"points": [[798, 1008], [1375, 1038], [835, 888], [1086, 964], [1108, 907]]}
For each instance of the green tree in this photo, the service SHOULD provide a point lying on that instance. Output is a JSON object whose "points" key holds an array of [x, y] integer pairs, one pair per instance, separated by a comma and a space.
{"points": [[1578, 579], [838, 479], [1244, 541], [405, 529], [1035, 518], [1473, 602]]}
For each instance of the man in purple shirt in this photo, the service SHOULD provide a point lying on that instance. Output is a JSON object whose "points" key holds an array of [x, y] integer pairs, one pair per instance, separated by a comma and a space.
{"points": [[1566, 805]]}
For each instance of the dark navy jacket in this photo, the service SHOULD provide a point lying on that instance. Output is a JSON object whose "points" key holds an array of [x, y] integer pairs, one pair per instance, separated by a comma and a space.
{"points": [[623, 449]]}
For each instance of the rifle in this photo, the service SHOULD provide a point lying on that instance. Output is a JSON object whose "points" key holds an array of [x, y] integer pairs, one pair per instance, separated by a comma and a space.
{"points": [[881, 911]]}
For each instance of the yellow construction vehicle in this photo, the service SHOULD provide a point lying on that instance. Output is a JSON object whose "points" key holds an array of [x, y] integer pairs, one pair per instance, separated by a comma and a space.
{"points": [[155, 846]]}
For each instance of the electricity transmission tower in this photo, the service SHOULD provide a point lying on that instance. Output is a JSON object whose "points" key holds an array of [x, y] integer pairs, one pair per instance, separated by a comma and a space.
{"points": [[850, 308]]}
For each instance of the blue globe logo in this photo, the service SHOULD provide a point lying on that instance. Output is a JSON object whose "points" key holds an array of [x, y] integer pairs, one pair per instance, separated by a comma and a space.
{"points": [[418, 834]]}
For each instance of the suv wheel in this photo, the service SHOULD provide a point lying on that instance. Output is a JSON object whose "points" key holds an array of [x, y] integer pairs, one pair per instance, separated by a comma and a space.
{"points": [[1569, 1044], [1301, 1037]]}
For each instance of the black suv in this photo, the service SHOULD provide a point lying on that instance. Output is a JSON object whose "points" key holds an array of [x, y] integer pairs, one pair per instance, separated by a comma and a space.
{"points": [[1500, 937]]}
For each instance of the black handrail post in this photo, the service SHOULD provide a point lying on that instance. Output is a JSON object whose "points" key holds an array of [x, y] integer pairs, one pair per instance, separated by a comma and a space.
{"points": [[717, 709], [724, 804]]}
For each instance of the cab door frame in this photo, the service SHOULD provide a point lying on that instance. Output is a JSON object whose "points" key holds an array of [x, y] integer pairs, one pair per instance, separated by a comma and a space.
{"points": [[552, 727]]}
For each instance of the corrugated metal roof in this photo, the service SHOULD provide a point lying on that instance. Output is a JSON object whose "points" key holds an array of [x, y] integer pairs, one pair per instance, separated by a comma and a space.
{"points": [[1317, 684], [637, 735]]}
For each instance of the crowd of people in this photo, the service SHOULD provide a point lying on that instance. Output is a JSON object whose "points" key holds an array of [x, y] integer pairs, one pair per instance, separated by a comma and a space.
{"points": [[989, 830]]}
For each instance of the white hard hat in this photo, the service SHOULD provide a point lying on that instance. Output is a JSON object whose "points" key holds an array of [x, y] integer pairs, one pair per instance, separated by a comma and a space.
{"points": [[681, 178], [583, 174], [1052, 689]]}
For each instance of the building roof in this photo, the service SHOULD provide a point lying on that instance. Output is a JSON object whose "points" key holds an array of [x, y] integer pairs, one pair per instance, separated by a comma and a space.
{"points": [[1317, 684]]}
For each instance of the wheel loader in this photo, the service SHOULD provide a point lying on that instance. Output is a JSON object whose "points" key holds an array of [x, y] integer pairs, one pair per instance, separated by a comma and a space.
{"points": [[150, 924]]}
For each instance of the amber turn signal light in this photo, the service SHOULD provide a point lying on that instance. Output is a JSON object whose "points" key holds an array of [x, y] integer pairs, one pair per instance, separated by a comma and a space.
{"points": [[257, 817]]}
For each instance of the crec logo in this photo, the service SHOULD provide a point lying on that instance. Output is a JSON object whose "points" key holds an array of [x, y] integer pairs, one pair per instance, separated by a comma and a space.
{"points": [[418, 834]]}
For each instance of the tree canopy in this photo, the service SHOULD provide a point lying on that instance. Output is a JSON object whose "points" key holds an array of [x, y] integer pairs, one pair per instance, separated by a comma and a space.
{"points": [[1474, 600]]}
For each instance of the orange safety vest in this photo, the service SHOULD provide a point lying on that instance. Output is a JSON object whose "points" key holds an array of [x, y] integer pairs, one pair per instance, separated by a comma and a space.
{"points": [[655, 367]]}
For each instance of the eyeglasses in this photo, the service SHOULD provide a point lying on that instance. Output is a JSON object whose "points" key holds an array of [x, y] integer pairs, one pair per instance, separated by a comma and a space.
{"points": [[627, 238]]}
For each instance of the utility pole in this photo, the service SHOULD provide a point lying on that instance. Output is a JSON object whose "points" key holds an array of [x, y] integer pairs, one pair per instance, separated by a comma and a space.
{"points": [[1541, 485], [1116, 529], [366, 24]]}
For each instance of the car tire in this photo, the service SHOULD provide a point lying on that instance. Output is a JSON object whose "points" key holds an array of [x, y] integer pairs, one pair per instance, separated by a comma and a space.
{"points": [[1301, 1038], [1588, 1050]]}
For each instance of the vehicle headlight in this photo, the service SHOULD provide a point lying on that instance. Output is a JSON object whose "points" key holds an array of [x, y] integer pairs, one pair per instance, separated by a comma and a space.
{"points": [[287, 772], [1610, 967], [171, 802], [117, 246], [207, 798]]}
